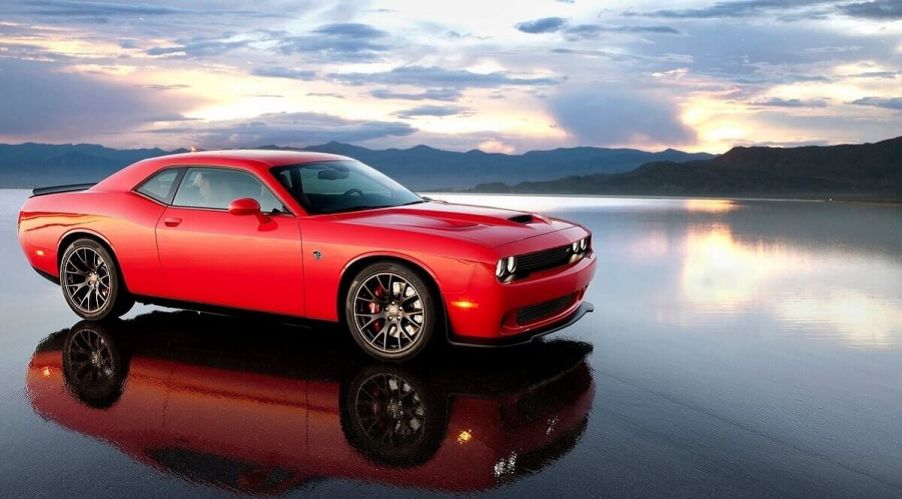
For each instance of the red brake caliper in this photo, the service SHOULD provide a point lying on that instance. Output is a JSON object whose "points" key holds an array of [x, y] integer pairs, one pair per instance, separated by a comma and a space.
{"points": [[375, 308]]}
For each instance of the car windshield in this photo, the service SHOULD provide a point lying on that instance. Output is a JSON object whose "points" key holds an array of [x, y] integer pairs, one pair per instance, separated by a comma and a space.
{"points": [[346, 185]]}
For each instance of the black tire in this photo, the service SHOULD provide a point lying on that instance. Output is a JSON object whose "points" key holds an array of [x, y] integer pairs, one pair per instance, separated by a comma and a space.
{"points": [[393, 418], [407, 320], [92, 283], [94, 369]]}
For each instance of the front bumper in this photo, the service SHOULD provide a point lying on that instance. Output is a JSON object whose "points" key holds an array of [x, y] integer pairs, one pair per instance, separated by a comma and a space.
{"points": [[492, 313], [524, 338]]}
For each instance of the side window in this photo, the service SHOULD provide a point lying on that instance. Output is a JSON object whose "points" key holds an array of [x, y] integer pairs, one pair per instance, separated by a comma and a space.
{"points": [[216, 188], [160, 186]]}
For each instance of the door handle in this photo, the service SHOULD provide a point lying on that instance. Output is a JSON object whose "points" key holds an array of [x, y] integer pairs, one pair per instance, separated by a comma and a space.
{"points": [[172, 221]]}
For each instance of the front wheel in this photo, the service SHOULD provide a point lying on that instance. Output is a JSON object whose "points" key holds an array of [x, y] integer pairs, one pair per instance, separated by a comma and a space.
{"points": [[91, 282], [390, 311]]}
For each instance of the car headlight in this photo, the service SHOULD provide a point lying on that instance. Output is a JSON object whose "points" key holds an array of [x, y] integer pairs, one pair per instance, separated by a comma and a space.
{"points": [[505, 267], [500, 268], [579, 246]]}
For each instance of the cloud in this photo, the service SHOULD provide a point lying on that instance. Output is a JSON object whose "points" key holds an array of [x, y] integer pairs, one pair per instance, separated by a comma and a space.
{"points": [[543, 25], [281, 72], [198, 47], [593, 53], [739, 8], [81, 8], [431, 111], [98, 11], [39, 102], [880, 9], [615, 115], [355, 31], [442, 94], [593, 31], [338, 42], [160, 86], [778, 102], [288, 129], [884, 102], [875, 74], [434, 76], [588, 31], [326, 94]]}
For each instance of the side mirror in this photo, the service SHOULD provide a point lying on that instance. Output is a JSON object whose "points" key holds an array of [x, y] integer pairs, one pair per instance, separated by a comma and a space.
{"points": [[244, 206]]}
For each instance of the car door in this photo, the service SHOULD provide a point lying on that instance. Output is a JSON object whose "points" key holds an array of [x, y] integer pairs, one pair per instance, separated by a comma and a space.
{"points": [[210, 256]]}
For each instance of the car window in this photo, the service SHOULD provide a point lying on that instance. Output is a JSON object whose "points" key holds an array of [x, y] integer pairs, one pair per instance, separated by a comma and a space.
{"points": [[316, 183], [343, 185], [160, 186], [216, 188]]}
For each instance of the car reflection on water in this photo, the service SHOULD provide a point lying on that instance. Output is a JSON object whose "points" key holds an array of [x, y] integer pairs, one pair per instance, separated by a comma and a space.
{"points": [[217, 401]]}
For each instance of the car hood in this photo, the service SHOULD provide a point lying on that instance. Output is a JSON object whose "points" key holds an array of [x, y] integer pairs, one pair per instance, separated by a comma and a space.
{"points": [[488, 226]]}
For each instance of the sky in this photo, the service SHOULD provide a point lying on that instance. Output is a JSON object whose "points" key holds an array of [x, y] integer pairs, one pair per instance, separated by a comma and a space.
{"points": [[500, 76]]}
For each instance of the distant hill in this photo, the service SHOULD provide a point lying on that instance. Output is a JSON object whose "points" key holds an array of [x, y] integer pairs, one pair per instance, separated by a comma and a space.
{"points": [[424, 167], [856, 171], [35, 165], [420, 167]]}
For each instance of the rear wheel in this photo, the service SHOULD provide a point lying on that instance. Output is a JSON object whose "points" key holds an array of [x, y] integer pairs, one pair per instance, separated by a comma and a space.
{"points": [[91, 282], [390, 311]]}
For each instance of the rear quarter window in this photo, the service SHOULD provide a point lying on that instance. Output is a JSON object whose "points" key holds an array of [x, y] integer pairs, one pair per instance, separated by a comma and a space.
{"points": [[160, 186]]}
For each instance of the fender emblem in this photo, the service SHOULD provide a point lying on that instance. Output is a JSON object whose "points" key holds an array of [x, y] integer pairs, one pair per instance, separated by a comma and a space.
{"points": [[317, 255]]}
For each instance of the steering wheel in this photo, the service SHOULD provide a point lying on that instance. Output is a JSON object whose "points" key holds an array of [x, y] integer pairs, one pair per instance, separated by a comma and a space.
{"points": [[353, 190]]}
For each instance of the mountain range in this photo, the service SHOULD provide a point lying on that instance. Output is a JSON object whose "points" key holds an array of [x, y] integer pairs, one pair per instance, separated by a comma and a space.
{"points": [[860, 171], [420, 167], [871, 171]]}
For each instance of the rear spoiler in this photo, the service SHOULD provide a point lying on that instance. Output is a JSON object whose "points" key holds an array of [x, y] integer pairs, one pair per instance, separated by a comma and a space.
{"points": [[55, 189]]}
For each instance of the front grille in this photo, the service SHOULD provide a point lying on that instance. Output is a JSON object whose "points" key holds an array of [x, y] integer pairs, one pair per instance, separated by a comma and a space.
{"points": [[533, 313], [542, 260]]}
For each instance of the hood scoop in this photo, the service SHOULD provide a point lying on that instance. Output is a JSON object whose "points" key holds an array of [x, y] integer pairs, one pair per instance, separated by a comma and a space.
{"points": [[525, 218]]}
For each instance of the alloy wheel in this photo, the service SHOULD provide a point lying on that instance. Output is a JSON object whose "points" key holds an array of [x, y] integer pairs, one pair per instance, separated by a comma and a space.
{"points": [[388, 313], [87, 280]]}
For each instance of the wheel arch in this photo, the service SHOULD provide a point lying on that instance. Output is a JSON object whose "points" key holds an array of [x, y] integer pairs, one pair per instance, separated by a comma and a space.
{"points": [[74, 235], [355, 266]]}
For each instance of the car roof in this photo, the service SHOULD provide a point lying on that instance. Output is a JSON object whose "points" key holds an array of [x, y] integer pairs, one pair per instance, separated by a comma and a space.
{"points": [[269, 157], [255, 160]]}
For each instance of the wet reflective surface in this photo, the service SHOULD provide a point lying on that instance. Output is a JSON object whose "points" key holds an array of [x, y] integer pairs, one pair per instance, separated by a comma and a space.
{"points": [[194, 397], [737, 348]]}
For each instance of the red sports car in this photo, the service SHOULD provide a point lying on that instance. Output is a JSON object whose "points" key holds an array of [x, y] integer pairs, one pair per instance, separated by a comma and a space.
{"points": [[308, 235]]}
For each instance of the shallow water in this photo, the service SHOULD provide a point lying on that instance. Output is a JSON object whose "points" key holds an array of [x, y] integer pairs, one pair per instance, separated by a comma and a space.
{"points": [[736, 348]]}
